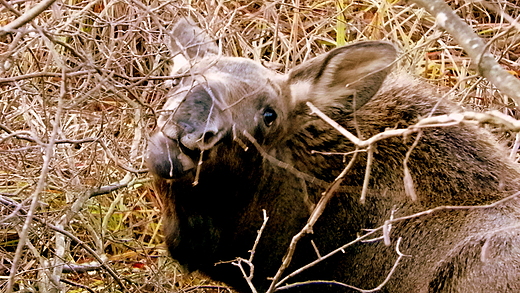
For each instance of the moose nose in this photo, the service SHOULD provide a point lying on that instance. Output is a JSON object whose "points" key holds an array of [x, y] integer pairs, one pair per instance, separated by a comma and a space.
{"points": [[202, 138], [198, 122]]}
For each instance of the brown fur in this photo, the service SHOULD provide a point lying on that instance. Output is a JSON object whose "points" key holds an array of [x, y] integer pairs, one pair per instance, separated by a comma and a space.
{"points": [[471, 250]]}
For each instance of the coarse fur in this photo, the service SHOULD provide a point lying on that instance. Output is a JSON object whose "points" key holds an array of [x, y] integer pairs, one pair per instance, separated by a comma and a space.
{"points": [[260, 147]]}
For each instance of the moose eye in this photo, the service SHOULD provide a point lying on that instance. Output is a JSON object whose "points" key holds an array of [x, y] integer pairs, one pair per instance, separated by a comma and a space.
{"points": [[269, 116]]}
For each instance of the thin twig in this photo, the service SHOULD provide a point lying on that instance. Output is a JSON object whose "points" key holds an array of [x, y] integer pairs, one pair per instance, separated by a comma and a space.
{"points": [[407, 179], [282, 164], [48, 156], [330, 254], [26, 17], [69, 282], [206, 287], [377, 288], [388, 224], [366, 180], [43, 74], [318, 210], [102, 263], [442, 208], [239, 261], [247, 276], [259, 235]]}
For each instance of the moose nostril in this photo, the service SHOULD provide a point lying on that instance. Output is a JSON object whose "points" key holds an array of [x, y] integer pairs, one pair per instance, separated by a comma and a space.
{"points": [[208, 137], [187, 128]]}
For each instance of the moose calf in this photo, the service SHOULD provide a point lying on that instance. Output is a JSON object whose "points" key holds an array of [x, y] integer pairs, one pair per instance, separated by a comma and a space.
{"points": [[235, 138]]}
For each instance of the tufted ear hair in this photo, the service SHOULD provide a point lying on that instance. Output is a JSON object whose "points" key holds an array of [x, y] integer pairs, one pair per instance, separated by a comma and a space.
{"points": [[190, 42], [349, 75]]}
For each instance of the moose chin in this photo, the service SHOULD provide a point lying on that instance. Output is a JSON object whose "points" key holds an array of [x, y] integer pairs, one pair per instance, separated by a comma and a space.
{"points": [[235, 138]]}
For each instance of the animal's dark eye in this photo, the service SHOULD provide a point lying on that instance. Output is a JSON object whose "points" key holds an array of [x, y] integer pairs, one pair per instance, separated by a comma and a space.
{"points": [[269, 116], [175, 81]]}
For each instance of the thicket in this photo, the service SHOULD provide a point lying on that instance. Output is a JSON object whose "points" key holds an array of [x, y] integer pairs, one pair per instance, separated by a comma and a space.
{"points": [[80, 82]]}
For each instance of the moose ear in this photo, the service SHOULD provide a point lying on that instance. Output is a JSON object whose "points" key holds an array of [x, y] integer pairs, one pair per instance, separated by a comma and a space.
{"points": [[350, 75], [190, 42]]}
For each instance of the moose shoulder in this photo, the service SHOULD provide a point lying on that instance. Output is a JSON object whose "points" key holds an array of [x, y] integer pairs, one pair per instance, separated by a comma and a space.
{"points": [[235, 138]]}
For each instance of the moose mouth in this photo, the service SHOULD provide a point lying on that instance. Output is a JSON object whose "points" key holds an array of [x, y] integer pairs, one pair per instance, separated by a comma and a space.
{"points": [[169, 159]]}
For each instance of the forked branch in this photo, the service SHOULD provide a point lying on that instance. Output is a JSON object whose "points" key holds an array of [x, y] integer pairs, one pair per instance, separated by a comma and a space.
{"points": [[400, 255], [315, 215]]}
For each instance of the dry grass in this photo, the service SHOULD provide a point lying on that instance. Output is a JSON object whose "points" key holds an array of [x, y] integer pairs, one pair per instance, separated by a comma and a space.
{"points": [[78, 90]]}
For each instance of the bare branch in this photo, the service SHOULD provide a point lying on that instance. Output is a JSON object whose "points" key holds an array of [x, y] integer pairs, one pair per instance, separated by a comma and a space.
{"points": [[474, 46], [386, 226], [48, 156], [43, 74], [408, 180], [318, 210], [442, 208], [126, 182], [247, 276], [239, 261], [492, 117], [69, 282], [207, 287], [102, 263], [283, 165], [370, 159], [378, 288], [340, 249], [26, 17], [259, 235]]}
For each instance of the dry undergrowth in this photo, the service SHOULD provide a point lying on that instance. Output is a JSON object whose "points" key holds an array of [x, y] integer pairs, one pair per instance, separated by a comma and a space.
{"points": [[78, 88]]}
